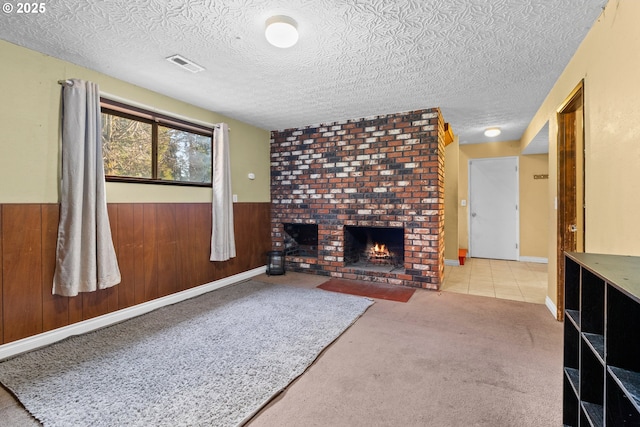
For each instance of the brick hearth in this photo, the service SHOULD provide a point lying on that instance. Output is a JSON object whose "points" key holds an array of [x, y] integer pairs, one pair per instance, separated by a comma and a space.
{"points": [[383, 171]]}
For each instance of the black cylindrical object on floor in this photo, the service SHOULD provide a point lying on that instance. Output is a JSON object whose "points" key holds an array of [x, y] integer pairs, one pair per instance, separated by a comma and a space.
{"points": [[275, 263]]}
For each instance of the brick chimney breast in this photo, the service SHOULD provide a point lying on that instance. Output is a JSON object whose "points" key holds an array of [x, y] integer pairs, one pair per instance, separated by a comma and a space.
{"points": [[379, 172]]}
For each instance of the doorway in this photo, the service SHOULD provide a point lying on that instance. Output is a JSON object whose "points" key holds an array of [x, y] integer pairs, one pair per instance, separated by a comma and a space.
{"points": [[571, 207], [493, 207]]}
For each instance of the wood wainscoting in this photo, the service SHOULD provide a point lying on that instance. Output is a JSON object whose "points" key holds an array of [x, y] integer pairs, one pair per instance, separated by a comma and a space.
{"points": [[162, 248]]}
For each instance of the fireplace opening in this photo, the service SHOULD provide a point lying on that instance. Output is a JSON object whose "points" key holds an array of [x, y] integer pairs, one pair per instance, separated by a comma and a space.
{"points": [[301, 240], [374, 248]]}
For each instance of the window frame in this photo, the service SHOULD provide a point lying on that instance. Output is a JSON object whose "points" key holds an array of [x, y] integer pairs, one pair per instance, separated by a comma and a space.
{"points": [[116, 108]]}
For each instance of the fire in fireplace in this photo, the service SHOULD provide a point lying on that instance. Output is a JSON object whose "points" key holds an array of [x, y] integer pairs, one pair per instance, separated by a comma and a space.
{"points": [[367, 247], [379, 252]]}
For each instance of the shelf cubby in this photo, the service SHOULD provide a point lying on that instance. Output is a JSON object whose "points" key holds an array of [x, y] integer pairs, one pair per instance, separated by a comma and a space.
{"points": [[572, 293], [601, 383], [591, 414], [570, 402], [623, 331], [596, 344], [623, 397], [591, 375], [592, 303], [572, 345]]}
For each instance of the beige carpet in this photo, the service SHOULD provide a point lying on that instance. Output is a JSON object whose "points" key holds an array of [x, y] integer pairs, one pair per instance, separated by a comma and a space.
{"points": [[442, 359]]}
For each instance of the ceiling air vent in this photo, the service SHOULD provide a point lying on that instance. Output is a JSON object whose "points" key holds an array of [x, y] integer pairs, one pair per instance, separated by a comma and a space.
{"points": [[185, 63]]}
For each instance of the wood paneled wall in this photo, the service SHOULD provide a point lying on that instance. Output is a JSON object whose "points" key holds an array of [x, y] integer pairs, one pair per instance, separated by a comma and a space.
{"points": [[162, 248]]}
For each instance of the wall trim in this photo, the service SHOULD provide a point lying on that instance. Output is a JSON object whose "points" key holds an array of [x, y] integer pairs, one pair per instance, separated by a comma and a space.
{"points": [[452, 262], [552, 307], [40, 340], [539, 260]]}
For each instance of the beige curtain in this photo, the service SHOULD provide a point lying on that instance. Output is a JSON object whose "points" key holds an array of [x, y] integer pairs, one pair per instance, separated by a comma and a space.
{"points": [[86, 259], [223, 245]]}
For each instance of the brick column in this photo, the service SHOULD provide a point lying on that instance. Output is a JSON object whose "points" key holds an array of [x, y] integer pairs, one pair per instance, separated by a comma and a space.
{"points": [[383, 171]]}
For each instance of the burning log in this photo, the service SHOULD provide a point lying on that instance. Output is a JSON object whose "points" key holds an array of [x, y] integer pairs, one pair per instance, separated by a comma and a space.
{"points": [[379, 252]]}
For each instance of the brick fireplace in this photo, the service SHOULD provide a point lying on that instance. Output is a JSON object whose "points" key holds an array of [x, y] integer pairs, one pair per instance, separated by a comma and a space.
{"points": [[337, 189]]}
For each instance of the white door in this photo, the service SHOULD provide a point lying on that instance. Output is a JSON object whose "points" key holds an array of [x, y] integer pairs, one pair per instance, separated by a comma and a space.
{"points": [[493, 208]]}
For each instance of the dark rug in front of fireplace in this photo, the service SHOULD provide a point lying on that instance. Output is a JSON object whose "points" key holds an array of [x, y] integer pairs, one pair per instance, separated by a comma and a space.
{"points": [[368, 289]]}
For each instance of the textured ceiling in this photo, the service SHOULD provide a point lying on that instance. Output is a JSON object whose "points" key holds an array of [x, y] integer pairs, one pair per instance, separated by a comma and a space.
{"points": [[483, 62]]}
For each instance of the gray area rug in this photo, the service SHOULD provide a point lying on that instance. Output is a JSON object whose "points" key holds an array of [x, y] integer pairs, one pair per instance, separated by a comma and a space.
{"points": [[213, 360]]}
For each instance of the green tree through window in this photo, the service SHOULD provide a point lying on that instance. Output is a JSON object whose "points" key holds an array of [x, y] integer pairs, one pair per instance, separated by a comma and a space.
{"points": [[139, 146], [126, 147], [183, 156]]}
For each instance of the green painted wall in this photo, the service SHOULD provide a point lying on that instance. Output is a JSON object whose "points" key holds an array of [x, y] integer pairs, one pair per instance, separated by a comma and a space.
{"points": [[30, 134]]}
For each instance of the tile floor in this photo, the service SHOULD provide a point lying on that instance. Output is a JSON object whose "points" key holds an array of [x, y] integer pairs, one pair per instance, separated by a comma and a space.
{"points": [[514, 280]]}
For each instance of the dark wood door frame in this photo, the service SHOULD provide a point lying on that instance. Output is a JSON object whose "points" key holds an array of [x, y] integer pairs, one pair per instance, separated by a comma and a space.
{"points": [[570, 207]]}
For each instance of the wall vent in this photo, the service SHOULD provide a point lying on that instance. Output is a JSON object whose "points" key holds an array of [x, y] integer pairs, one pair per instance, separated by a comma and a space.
{"points": [[185, 63]]}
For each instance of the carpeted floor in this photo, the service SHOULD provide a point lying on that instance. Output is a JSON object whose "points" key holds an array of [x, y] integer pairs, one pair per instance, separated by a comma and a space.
{"points": [[441, 359], [213, 360]]}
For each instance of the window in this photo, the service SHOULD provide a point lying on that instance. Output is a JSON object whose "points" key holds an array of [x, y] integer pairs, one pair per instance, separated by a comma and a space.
{"points": [[142, 146]]}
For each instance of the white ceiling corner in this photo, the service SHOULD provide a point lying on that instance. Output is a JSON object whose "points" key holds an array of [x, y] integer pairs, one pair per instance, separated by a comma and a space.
{"points": [[540, 143], [484, 63]]}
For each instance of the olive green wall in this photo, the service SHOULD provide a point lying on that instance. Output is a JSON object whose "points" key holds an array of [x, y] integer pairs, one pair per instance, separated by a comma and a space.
{"points": [[29, 140]]}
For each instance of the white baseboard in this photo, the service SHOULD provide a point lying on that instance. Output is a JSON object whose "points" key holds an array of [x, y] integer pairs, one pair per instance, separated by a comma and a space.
{"points": [[454, 263], [552, 307], [539, 260], [31, 343]]}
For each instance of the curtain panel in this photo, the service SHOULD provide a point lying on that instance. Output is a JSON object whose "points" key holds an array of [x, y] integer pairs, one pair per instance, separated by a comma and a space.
{"points": [[86, 259], [223, 245]]}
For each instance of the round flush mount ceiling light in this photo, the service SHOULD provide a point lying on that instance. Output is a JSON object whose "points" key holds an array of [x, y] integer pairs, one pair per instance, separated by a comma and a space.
{"points": [[491, 132], [281, 31]]}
